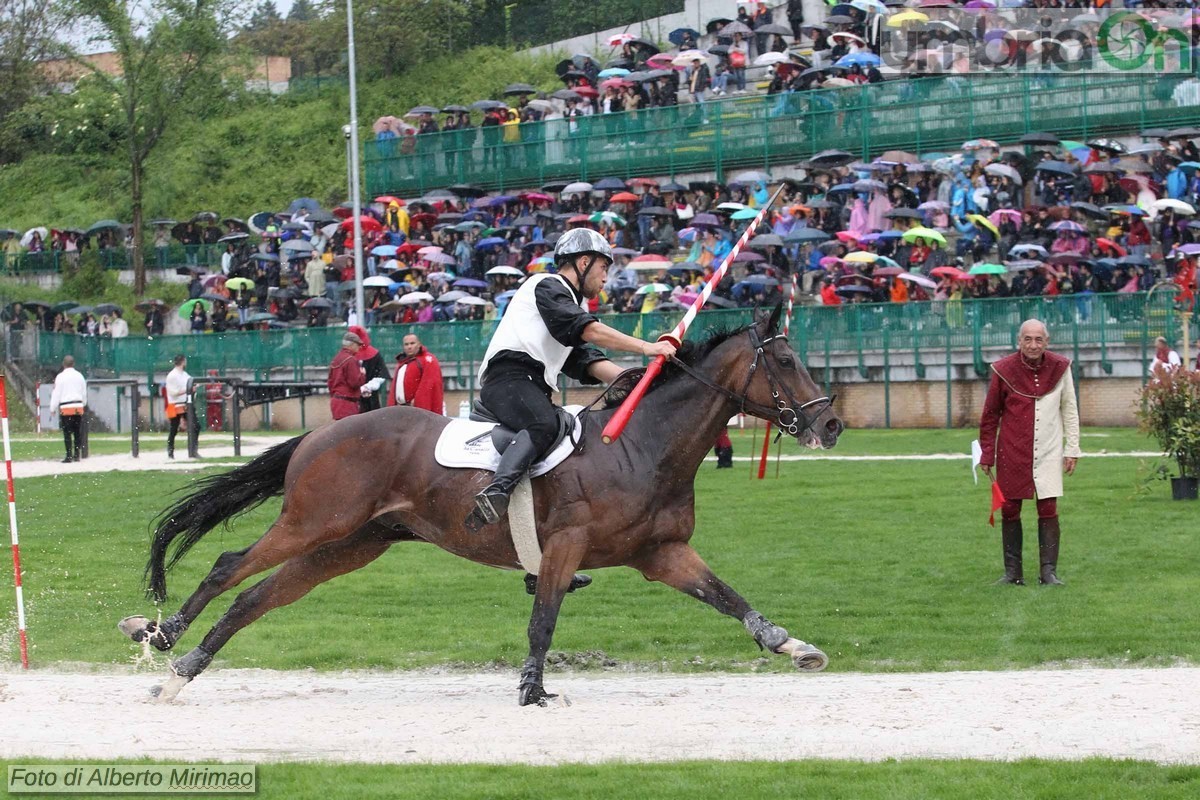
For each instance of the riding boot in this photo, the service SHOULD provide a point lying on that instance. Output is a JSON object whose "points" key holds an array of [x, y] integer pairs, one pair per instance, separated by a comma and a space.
{"points": [[1011, 536], [1048, 534], [492, 503], [725, 457]]}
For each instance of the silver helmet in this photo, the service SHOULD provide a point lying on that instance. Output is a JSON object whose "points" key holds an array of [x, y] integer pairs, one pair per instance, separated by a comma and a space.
{"points": [[581, 240]]}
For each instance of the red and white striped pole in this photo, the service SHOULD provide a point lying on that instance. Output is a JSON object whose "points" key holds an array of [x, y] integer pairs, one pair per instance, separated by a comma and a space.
{"points": [[620, 419], [37, 408], [787, 324], [12, 522]]}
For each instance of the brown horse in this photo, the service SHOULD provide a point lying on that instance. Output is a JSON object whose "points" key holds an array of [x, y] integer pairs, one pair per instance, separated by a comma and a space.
{"points": [[628, 504]]}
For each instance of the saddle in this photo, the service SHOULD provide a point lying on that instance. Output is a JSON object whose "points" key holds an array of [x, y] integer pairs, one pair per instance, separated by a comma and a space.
{"points": [[502, 437], [478, 442]]}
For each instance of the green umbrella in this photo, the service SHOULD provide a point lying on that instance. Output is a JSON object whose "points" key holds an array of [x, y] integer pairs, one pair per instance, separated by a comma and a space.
{"points": [[102, 225], [237, 284], [988, 269], [745, 213], [607, 217], [185, 310], [921, 232]]}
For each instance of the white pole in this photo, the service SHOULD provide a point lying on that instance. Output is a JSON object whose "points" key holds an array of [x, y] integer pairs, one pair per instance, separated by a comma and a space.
{"points": [[12, 525], [355, 179]]}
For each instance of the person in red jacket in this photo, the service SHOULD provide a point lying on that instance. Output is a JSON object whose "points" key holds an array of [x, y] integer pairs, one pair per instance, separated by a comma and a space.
{"points": [[346, 378], [418, 379]]}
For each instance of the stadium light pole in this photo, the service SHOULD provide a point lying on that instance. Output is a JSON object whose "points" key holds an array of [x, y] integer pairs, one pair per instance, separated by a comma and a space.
{"points": [[355, 178]]}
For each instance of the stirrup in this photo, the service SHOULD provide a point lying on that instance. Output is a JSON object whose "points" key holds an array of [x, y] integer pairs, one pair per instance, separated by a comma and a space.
{"points": [[490, 508]]}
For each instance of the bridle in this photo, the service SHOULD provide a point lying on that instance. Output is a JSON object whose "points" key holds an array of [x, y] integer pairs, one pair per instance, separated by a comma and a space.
{"points": [[789, 415]]}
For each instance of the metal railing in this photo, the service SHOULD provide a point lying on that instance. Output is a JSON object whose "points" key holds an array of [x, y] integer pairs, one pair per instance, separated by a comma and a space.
{"points": [[917, 333], [918, 115], [175, 255]]}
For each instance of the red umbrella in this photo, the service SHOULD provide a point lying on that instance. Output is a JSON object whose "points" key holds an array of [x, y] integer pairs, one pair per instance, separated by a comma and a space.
{"points": [[623, 197], [888, 272], [369, 224], [642, 182], [342, 212], [948, 272], [536, 197], [1110, 245], [387, 198], [847, 236], [423, 219], [585, 91]]}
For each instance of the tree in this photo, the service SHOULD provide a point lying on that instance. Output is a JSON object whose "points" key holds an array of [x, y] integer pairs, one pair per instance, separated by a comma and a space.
{"points": [[302, 11], [27, 32], [265, 15], [171, 61]]}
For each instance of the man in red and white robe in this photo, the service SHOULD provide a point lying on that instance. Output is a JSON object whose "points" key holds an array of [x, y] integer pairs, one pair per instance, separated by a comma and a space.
{"points": [[418, 379], [1029, 411]]}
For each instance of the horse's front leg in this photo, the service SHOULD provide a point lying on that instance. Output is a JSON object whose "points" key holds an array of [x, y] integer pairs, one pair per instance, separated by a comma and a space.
{"points": [[562, 556], [677, 564]]}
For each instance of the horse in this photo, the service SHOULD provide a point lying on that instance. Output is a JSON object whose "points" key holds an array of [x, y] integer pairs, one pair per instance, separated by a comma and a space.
{"points": [[631, 503]]}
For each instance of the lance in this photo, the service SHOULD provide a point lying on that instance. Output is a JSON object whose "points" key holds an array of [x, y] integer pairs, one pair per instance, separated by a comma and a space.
{"points": [[787, 324], [620, 419]]}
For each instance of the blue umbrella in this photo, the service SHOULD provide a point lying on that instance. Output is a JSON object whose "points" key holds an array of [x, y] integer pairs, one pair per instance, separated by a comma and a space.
{"points": [[265, 257], [614, 72], [307, 203], [858, 60], [385, 250], [470, 283], [842, 187], [491, 241], [891, 234], [676, 36]]}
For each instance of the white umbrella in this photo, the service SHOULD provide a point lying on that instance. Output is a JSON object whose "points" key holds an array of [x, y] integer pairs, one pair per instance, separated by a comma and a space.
{"points": [[412, 298], [686, 58], [440, 258], [653, 287], [450, 297], [1004, 171], [378, 281], [1170, 203], [577, 187], [28, 236], [541, 105], [919, 280], [516, 273], [732, 207], [427, 249], [767, 59], [471, 300]]}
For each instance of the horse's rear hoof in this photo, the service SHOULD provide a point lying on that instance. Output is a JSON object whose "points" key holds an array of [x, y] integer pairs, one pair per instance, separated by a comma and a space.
{"points": [[805, 657], [169, 690], [136, 628], [532, 694]]}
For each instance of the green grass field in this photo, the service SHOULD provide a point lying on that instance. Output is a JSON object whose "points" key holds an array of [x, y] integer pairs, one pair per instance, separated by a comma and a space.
{"points": [[887, 565], [827, 780]]}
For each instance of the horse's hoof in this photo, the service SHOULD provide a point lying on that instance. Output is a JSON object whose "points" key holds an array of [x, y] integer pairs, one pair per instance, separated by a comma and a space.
{"points": [[533, 694], [169, 690], [136, 628], [805, 657]]}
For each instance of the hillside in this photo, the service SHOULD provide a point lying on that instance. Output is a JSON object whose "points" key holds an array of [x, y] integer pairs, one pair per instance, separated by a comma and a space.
{"points": [[258, 153]]}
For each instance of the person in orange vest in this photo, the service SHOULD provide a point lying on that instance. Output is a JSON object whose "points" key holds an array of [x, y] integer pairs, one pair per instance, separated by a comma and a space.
{"points": [[69, 401]]}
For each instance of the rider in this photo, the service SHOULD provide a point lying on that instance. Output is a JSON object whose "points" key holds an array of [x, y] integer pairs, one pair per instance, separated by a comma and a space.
{"points": [[547, 330]]}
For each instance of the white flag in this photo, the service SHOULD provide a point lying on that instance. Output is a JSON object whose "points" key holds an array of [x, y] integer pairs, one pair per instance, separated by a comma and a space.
{"points": [[976, 457]]}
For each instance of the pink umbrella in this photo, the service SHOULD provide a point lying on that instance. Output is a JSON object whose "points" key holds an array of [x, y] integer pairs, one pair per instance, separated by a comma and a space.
{"points": [[432, 248], [614, 83], [619, 39], [686, 298], [1001, 213], [661, 61], [440, 258], [831, 261]]}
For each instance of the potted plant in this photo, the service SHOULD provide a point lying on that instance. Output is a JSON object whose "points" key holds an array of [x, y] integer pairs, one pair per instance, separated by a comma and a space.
{"points": [[1169, 411]]}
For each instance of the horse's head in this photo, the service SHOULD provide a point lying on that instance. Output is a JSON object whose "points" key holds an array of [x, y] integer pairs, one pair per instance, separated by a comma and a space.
{"points": [[763, 373]]}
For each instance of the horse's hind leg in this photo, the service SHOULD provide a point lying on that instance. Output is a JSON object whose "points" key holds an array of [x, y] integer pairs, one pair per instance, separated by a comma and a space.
{"points": [[283, 540], [292, 581], [677, 564]]}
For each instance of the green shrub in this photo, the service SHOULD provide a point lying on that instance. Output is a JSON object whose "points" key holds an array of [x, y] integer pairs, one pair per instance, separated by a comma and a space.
{"points": [[1170, 412]]}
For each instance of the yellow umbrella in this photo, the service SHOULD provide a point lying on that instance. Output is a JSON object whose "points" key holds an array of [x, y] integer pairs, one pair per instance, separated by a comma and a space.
{"points": [[980, 219], [861, 257], [906, 17]]}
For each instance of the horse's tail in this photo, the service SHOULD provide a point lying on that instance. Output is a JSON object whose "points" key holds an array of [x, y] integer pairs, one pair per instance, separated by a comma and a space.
{"points": [[213, 500]]}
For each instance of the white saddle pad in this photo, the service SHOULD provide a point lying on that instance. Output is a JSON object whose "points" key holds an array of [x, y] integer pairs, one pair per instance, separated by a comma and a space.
{"points": [[466, 444]]}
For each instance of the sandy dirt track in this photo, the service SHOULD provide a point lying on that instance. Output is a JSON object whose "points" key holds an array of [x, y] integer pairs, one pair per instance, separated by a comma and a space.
{"points": [[399, 717]]}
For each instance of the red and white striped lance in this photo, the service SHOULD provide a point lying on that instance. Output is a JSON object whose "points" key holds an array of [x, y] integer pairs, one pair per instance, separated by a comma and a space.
{"points": [[12, 523], [620, 419], [787, 321], [37, 408]]}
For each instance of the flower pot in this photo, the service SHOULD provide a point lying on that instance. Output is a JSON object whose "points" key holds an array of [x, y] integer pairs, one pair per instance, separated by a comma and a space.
{"points": [[1184, 488]]}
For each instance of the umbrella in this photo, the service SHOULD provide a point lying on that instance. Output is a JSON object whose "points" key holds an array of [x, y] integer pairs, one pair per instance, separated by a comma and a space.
{"points": [[513, 271], [655, 211], [368, 224], [470, 283], [1171, 204], [921, 232], [471, 300], [767, 59], [146, 305], [983, 221], [64, 306], [608, 217], [487, 105], [108, 308], [614, 72], [316, 302], [803, 235], [988, 269], [1108, 145], [385, 250], [1021, 266], [237, 236], [439, 258], [858, 60], [832, 158], [653, 287], [579, 187], [1004, 171], [903, 213], [200, 216], [238, 284], [1058, 167], [377, 281], [261, 316], [905, 18], [752, 176], [387, 199], [1090, 209], [162, 222], [947, 272], [296, 246], [1066, 226], [27, 237], [417, 111], [919, 280], [490, 241], [766, 240], [1025, 249], [624, 197], [412, 298], [1040, 138], [861, 257], [103, 225], [677, 36], [744, 214], [518, 89], [450, 297], [853, 288], [185, 310], [608, 184], [736, 27], [773, 29], [270, 257]]}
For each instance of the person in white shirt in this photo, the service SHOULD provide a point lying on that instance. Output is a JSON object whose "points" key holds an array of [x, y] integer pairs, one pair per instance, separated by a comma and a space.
{"points": [[120, 328], [179, 406], [69, 401], [1164, 357]]}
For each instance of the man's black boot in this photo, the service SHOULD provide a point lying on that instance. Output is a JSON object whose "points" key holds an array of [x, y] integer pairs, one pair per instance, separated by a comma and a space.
{"points": [[725, 457], [1011, 536], [1048, 535], [578, 581], [492, 503]]}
